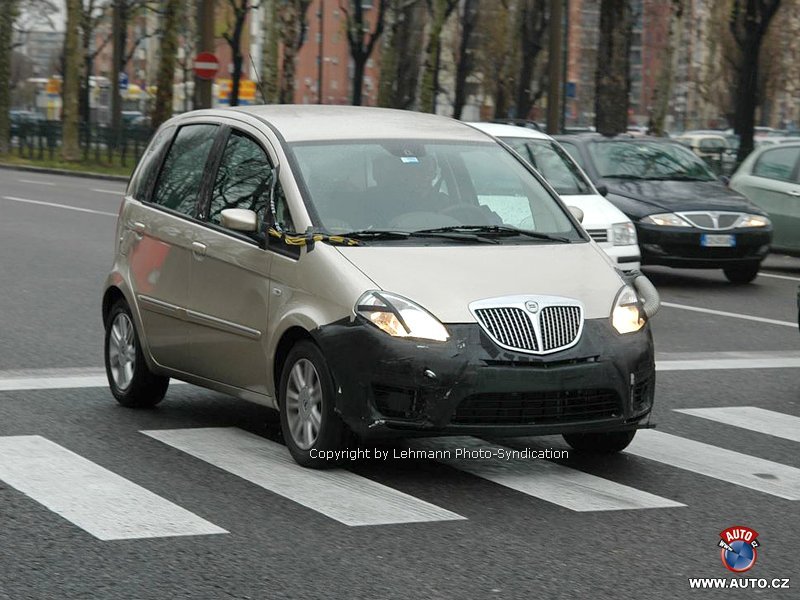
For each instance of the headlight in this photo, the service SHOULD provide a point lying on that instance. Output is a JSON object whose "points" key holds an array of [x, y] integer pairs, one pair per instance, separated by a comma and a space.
{"points": [[752, 221], [666, 220], [627, 316], [623, 234], [400, 317]]}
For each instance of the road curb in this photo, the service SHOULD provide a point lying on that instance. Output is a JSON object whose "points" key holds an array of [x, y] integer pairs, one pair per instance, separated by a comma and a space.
{"points": [[49, 171]]}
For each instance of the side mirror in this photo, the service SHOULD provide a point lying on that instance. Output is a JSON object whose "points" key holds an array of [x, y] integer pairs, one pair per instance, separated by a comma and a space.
{"points": [[602, 190], [576, 212], [239, 219], [725, 180]]}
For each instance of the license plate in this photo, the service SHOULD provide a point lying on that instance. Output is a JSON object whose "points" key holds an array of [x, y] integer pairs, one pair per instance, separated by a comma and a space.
{"points": [[711, 240]]}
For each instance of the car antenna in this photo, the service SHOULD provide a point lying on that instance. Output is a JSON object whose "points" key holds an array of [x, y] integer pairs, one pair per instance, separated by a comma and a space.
{"points": [[258, 80]]}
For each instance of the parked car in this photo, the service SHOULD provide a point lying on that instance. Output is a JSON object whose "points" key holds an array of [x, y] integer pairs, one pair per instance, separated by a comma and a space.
{"points": [[370, 271], [770, 178], [605, 223], [712, 148], [684, 216]]}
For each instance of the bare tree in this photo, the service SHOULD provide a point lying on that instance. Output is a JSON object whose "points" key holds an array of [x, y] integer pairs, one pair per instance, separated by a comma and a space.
{"points": [[612, 78], [165, 79], [663, 88], [748, 23], [71, 85], [533, 20], [238, 12], [439, 11], [294, 23], [361, 39], [8, 13], [465, 63], [400, 54], [270, 71]]}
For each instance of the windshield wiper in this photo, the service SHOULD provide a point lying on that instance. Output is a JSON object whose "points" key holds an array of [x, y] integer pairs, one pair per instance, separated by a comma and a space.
{"points": [[678, 177], [623, 176], [391, 234], [503, 230]]}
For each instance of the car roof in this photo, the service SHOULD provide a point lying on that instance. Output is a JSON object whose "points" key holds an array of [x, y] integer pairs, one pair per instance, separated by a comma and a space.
{"points": [[313, 122], [623, 137], [503, 130]]}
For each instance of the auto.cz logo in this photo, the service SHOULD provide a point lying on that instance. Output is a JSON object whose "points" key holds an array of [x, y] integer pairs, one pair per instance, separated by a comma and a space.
{"points": [[738, 548]]}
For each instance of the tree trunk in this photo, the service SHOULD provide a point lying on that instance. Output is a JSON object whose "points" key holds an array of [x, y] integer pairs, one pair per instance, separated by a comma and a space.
{"points": [[408, 44], [612, 78], [72, 79], [661, 94], [165, 79], [119, 28], [269, 55], [427, 92], [746, 98], [290, 33], [8, 11]]}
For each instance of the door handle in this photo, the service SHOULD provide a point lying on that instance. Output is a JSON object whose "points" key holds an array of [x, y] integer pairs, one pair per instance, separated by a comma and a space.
{"points": [[198, 249], [138, 229]]}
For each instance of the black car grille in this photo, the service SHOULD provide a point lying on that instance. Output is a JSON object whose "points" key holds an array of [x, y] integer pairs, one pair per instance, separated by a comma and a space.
{"points": [[527, 408]]}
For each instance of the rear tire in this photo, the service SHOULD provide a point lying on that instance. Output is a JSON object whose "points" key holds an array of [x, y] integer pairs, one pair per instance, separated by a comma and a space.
{"points": [[131, 381], [742, 275], [608, 442], [309, 421]]}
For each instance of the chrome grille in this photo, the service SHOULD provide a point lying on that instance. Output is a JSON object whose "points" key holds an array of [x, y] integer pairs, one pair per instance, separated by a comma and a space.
{"points": [[559, 325], [711, 220], [532, 324], [509, 326], [598, 235]]}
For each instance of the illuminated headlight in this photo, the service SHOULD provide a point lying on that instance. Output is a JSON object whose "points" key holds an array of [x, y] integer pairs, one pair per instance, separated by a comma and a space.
{"points": [[623, 234], [400, 317], [665, 220], [752, 221], [627, 315]]}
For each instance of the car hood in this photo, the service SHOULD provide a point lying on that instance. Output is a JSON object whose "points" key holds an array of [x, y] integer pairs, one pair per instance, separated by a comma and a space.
{"points": [[446, 279], [681, 195]]}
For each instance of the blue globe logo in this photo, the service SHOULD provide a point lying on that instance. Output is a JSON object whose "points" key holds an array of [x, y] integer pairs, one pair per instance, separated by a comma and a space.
{"points": [[740, 558]]}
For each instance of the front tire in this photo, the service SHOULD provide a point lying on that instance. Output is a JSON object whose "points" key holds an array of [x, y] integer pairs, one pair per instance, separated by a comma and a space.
{"points": [[131, 381], [309, 422], [741, 275], [607, 442]]}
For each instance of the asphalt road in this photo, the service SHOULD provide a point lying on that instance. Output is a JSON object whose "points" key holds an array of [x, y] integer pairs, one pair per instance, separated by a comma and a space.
{"points": [[238, 521]]}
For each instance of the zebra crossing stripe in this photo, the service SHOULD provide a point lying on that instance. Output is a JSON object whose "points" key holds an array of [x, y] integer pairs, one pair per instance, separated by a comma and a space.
{"points": [[751, 417], [720, 463], [338, 494], [100, 502], [543, 479]]}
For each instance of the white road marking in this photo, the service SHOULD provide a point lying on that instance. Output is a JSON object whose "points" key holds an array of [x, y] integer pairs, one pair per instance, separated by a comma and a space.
{"points": [[37, 182], [338, 494], [774, 276], [119, 193], [56, 379], [543, 479], [727, 360], [723, 313], [720, 463], [63, 206], [751, 417], [98, 501]]}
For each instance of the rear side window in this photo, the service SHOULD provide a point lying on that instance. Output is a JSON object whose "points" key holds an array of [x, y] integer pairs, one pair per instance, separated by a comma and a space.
{"points": [[777, 163], [182, 174], [243, 180], [145, 175]]}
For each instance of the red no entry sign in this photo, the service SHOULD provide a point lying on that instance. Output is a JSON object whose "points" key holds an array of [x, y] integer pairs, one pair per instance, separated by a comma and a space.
{"points": [[206, 65]]}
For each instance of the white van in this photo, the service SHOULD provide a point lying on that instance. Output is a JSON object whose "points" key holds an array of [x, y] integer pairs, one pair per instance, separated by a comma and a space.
{"points": [[604, 222], [370, 272]]}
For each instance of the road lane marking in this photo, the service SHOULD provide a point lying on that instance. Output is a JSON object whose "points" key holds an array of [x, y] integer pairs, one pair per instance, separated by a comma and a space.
{"points": [[37, 182], [774, 276], [63, 206], [719, 463], [338, 494], [727, 360], [98, 501], [543, 479], [723, 313], [751, 417], [55, 379], [116, 193]]}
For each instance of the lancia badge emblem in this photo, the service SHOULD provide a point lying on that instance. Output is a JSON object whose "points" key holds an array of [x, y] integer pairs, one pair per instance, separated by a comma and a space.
{"points": [[532, 306]]}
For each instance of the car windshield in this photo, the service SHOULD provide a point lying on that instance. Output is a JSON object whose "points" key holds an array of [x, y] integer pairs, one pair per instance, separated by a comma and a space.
{"points": [[555, 165], [462, 189], [647, 160]]}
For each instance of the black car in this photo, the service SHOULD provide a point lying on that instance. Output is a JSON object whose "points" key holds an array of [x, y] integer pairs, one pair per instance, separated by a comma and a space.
{"points": [[684, 216]]}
